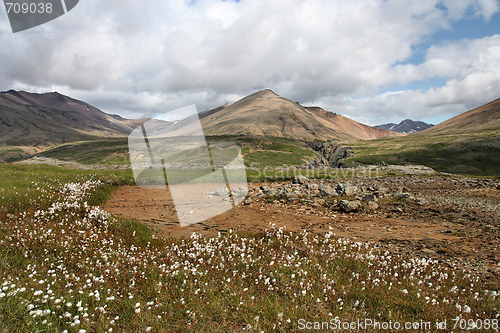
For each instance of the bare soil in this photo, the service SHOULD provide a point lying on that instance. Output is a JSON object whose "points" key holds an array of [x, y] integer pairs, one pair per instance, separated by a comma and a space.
{"points": [[456, 221]]}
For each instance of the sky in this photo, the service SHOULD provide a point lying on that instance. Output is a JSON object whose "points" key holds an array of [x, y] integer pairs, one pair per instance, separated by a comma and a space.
{"points": [[373, 61]]}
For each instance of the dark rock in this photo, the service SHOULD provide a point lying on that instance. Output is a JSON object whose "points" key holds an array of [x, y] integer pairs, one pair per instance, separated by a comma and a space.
{"points": [[370, 197], [340, 189], [329, 154], [349, 206]]}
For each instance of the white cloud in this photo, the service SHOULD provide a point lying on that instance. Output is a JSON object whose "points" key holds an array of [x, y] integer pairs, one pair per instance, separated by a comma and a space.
{"points": [[470, 69], [135, 57]]}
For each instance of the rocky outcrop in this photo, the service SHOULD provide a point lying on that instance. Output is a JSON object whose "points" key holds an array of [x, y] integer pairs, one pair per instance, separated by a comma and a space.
{"points": [[329, 154]]}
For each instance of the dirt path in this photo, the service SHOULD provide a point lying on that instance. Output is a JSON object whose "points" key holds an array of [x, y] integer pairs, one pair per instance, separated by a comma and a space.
{"points": [[459, 225]]}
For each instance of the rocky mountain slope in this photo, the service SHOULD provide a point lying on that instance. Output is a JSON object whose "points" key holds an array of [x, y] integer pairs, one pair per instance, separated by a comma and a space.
{"points": [[264, 113], [485, 118], [407, 126], [28, 119]]}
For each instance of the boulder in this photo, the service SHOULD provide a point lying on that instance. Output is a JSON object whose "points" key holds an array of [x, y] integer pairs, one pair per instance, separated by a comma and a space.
{"points": [[370, 197], [421, 201], [404, 195], [349, 206], [267, 191], [299, 179], [372, 205], [340, 189], [327, 190]]}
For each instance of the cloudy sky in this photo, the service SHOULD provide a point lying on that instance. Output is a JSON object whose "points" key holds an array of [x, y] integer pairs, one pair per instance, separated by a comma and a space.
{"points": [[373, 61]]}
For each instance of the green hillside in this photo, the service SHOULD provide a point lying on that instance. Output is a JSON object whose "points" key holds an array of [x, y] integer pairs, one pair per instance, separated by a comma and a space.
{"points": [[473, 153]]}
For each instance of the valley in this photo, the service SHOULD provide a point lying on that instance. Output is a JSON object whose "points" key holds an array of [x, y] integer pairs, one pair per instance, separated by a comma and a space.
{"points": [[339, 218]]}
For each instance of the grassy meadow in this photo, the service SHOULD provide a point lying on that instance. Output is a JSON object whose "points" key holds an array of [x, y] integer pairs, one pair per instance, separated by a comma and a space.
{"points": [[259, 152], [463, 153], [68, 266]]}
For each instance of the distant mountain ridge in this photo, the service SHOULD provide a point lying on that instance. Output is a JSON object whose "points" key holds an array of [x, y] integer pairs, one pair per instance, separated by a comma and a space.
{"points": [[29, 119], [407, 126], [265, 113]]}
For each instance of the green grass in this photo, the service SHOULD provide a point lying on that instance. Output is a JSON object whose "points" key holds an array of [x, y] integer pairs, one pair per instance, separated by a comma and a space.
{"points": [[269, 152], [265, 152], [21, 185], [112, 151], [14, 153], [55, 260], [473, 154]]}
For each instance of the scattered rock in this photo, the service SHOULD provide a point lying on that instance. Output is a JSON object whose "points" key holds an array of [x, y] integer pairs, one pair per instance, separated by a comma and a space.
{"points": [[397, 210], [404, 195], [372, 205], [326, 191], [370, 197], [221, 192], [300, 179], [340, 189], [351, 190], [349, 206], [248, 201], [421, 201]]}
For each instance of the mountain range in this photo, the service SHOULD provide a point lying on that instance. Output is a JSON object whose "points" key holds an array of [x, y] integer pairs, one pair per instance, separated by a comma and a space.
{"points": [[264, 113], [29, 119], [38, 123], [407, 126], [43, 120]]}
